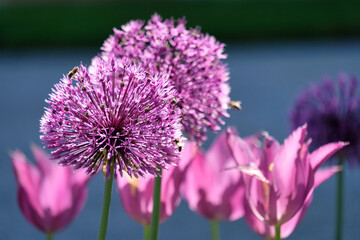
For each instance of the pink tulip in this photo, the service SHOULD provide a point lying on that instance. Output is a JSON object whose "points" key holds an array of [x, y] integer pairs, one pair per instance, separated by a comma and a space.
{"points": [[136, 194], [212, 187], [49, 196], [267, 231], [279, 178]]}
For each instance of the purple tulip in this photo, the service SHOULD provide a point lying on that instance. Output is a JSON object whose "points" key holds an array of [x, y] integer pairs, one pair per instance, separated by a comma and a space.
{"points": [[49, 196], [210, 188], [267, 231], [136, 194], [279, 178]]}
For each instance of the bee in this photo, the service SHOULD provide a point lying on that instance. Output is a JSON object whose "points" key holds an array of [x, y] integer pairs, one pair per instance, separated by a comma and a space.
{"points": [[73, 72], [235, 105], [180, 143]]}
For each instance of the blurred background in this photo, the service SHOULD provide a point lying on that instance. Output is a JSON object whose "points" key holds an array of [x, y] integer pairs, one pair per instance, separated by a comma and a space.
{"points": [[275, 48]]}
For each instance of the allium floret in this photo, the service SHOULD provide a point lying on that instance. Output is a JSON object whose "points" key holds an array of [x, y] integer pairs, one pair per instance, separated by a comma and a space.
{"points": [[193, 61], [331, 110], [113, 113]]}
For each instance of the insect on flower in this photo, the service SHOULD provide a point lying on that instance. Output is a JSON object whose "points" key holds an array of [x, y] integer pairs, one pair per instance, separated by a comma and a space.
{"points": [[73, 72]]}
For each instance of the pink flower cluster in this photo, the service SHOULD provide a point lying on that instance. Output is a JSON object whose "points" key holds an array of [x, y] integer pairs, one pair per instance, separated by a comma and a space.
{"points": [[256, 177], [114, 113], [192, 60], [127, 112]]}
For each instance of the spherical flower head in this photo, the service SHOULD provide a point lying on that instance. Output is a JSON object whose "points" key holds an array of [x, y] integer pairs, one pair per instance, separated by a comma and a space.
{"points": [[332, 113], [115, 113], [193, 61]]}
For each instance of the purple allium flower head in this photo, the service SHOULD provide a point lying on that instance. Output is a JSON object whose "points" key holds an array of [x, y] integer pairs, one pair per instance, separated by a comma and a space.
{"points": [[332, 113], [193, 61], [113, 113]]}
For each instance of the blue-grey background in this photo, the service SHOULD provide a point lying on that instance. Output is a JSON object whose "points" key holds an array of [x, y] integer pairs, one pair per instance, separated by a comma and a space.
{"points": [[266, 77]]}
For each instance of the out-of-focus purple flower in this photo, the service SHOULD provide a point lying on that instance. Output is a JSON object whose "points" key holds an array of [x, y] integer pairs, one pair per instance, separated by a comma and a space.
{"points": [[212, 187], [114, 114], [332, 113], [136, 194], [268, 231], [279, 178], [192, 60], [49, 196]]}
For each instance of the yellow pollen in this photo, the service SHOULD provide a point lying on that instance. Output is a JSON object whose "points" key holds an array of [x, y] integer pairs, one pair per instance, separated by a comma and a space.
{"points": [[271, 167], [134, 183]]}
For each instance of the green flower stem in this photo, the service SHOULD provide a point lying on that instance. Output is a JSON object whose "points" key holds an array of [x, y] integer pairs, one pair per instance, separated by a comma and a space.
{"points": [[214, 230], [277, 232], [339, 200], [49, 236], [146, 232], [106, 205], [156, 209]]}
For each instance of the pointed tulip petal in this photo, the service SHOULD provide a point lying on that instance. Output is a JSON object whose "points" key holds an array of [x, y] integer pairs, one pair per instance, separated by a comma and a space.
{"points": [[252, 171], [323, 153], [322, 175], [42, 160], [239, 148]]}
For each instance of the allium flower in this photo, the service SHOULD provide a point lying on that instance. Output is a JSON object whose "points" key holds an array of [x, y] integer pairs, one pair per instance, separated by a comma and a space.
{"points": [[115, 112], [332, 113], [211, 188], [279, 178], [192, 60], [49, 196]]}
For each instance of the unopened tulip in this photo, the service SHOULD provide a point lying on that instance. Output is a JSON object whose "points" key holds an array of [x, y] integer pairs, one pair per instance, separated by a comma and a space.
{"points": [[212, 187], [49, 196], [136, 194]]}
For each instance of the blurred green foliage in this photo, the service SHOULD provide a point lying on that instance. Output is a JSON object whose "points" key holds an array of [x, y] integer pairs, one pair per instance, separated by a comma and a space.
{"points": [[89, 24]]}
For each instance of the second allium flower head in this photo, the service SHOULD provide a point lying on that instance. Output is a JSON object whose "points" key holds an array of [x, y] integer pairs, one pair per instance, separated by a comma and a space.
{"points": [[331, 110], [192, 60], [115, 113]]}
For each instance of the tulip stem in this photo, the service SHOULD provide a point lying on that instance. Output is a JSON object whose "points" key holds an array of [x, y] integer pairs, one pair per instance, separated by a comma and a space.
{"points": [[339, 200], [49, 236], [146, 232], [156, 209], [277, 232], [214, 230], [106, 205]]}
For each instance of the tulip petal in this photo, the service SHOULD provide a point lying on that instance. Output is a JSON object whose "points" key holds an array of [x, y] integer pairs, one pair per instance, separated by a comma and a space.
{"points": [[49, 195], [252, 171], [321, 176], [213, 184], [323, 153], [42, 160], [240, 150], [28, 179]]}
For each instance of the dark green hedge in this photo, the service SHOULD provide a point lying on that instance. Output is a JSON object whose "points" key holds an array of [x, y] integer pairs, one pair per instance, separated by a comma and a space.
{"points": [[66, 24]]}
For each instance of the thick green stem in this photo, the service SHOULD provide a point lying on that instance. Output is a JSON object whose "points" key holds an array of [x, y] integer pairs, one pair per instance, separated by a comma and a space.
{"points": [[339, 200], [49, 236], [106, 206], [146, 232], [156, 209], [215, 230], [277, 232]]}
